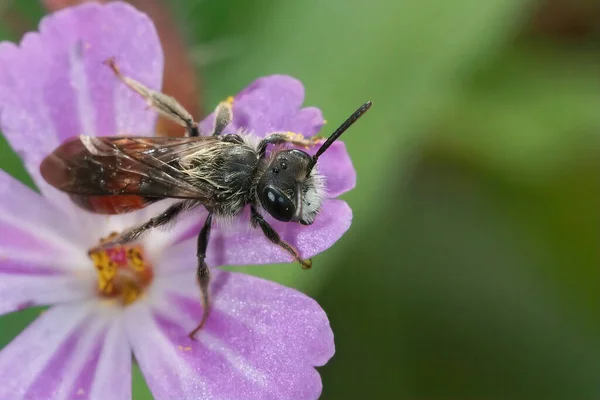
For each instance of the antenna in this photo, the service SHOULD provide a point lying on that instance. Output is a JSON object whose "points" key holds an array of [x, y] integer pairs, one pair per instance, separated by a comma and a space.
{"points": [[338, 132]]}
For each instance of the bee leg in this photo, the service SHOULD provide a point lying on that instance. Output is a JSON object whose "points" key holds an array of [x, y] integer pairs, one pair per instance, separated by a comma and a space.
{"points": [[273, 236], [287, 137], [224, 115], [134, 233], [203, 273], [165, 105]]}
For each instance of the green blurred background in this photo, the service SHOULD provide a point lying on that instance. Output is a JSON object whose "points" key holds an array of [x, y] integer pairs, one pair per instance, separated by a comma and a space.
{"points": [[472, 268]]}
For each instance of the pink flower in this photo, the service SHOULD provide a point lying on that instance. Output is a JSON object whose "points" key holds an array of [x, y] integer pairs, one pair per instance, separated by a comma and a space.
{"points": [[262, 340]]}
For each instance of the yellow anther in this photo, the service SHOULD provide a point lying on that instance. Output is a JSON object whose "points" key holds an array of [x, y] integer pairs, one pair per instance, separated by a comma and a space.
{"points": [[122, 272], [136, 259]]}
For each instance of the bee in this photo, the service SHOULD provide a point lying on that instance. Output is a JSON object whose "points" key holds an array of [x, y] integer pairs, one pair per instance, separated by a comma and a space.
{"points": [[224, 173]]}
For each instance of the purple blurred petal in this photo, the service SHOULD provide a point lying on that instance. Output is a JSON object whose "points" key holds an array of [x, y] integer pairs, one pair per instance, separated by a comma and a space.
{"points": [[39, 264], [239, 244], [71, 351], [270, 104], [54, 86], [337, 167], [262, 341]]}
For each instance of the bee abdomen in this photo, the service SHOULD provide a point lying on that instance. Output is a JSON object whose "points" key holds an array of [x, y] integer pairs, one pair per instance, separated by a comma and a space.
{"points": [[111, 204]]}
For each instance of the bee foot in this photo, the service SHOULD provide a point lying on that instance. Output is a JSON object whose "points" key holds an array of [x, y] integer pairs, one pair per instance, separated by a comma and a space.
{"points": [[306, 264]]}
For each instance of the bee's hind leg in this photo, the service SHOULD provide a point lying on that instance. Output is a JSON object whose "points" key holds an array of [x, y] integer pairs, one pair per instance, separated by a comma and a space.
{"points": [[203, 274], [165, 105]]}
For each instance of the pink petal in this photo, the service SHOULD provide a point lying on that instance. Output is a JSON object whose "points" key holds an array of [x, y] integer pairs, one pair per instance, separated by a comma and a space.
{"points": [[21, 291], [270, 104], [71, 351], [55, 86], [262, 341], [46, 227], [238, 244], [39, 263]]}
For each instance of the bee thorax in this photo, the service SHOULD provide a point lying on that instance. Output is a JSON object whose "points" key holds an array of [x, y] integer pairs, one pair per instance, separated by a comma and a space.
{"points": [[229, 167]]}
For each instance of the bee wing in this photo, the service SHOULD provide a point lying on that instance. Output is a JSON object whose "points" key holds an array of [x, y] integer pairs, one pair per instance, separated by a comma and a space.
{"points": [[109, 166]]}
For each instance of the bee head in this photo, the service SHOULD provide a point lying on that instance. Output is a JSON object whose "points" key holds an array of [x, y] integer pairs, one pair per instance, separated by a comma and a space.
{"points": [[291, 189], [288, 190]]}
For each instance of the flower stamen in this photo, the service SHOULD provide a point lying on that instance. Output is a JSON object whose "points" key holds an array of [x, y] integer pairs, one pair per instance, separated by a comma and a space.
{"points": [[122, 272]]}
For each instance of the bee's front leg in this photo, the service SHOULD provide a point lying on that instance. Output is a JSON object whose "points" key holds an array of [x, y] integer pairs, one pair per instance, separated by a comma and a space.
{"points": [[203, 274], [288, 137], [257, 220]]}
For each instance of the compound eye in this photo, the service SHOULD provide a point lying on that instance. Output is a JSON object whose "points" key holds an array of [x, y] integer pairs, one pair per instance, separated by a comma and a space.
{"points": [[277, 204], [300, 154]]}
